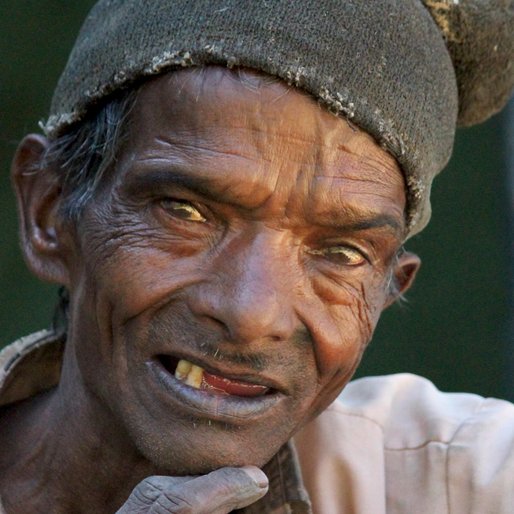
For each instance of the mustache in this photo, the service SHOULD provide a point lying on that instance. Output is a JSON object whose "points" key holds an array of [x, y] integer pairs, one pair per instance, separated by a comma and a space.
{"points": [[187, 332]]}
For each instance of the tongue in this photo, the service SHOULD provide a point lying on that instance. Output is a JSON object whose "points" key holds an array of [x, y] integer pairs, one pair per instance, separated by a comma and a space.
{"points": [[234, 387]]}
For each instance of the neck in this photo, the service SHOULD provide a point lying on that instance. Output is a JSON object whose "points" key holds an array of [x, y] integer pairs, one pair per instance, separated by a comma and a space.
{"points": [[49, 443]]}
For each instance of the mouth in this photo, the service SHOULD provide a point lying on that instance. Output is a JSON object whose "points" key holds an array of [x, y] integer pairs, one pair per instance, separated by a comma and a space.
{"points": [[211, 393], [198, 377]]}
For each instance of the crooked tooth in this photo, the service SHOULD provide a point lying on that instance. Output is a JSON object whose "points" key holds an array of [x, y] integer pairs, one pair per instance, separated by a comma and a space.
{"points": [[183, 368], [195, 376], [189, 373]]}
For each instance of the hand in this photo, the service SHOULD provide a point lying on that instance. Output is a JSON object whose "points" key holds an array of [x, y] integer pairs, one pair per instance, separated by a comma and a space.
{"points": [[219, 492]]}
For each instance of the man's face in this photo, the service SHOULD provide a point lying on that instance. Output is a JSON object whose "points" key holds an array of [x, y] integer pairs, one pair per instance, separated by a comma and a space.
{"points": [[244, 230]]}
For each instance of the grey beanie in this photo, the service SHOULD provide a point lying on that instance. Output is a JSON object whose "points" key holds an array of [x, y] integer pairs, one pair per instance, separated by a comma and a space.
{"points": [[405, 71]]}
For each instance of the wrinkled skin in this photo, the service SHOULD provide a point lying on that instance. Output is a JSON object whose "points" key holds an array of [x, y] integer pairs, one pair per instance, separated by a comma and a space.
{"points": [[244, 228]]}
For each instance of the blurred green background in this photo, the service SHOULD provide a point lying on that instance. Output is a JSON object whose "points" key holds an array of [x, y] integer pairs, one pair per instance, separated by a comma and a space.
{"points": [[456, 327]]}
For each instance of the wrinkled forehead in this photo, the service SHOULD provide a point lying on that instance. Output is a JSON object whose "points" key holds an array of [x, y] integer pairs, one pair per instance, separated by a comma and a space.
{"points": [[199, 102], [254, 135]]}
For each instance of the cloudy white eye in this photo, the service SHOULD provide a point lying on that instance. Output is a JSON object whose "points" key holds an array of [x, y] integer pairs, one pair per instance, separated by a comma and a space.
{"points": [[343, 255], [183, 210]]}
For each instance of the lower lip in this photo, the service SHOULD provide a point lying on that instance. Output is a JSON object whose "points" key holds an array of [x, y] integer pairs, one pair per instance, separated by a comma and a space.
{"points": [[226, 408]]}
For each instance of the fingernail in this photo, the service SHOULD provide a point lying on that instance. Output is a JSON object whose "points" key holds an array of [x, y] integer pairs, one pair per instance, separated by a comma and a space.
{"points": [[257, 476]]}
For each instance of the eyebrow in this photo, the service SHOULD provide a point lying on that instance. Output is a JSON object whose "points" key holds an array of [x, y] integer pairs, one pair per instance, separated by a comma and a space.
{"points": [[352, 220], [201, 185], [373, 222]]}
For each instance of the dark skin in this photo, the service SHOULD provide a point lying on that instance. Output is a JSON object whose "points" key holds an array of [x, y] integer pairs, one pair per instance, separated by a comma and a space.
{"points": [[244, 229]]}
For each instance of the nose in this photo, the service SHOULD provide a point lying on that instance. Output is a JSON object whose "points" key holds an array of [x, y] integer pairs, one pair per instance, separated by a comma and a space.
{"points": [[252, 294]]}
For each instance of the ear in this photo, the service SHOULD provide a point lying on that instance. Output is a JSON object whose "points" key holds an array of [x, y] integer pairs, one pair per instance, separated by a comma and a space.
{"points": [[38, 194], [404, 273]]}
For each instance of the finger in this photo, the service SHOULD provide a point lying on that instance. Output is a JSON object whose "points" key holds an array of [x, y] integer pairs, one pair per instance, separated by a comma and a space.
{"points": [[148, 491], [227, 489], [219, 492]]}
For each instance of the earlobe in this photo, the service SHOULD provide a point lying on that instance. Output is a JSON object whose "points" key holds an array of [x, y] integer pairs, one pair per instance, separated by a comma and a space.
{"points": [[38, 195], [404, 272]]}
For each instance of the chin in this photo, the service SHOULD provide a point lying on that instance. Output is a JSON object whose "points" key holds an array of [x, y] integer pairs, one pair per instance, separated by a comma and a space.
{"points": [[199, 447]]}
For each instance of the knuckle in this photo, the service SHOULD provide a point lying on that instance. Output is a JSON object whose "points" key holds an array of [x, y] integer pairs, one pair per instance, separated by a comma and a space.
{"points": [[149, 488], [173, 503], [145, 493]]}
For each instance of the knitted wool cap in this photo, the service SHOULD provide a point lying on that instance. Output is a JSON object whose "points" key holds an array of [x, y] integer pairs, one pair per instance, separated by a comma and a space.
{"points": [[384, 64]]}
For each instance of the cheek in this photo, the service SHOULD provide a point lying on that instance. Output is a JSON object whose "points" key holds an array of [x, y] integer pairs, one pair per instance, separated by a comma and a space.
{"points": [[134, 268], [342, 330], [348, 314]]}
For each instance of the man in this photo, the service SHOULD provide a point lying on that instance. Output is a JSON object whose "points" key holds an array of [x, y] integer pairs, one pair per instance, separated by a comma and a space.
{"points": [[223, 192]]}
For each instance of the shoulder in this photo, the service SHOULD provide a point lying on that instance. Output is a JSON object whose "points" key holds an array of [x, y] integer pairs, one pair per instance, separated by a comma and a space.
{"points": [[420, 445], [30, 365], [411, 411]]}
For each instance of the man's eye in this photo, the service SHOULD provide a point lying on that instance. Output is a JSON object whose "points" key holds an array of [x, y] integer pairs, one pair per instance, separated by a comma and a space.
{"points": [[183, 210], [344, 255]]}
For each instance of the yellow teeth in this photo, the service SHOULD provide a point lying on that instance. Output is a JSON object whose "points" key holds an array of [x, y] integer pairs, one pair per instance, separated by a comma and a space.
{"points": [[194, 377], [189, 373], [183, 368]]}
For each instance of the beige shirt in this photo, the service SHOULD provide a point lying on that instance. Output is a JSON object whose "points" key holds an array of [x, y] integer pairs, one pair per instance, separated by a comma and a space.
{"points": [[392, 444]]}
